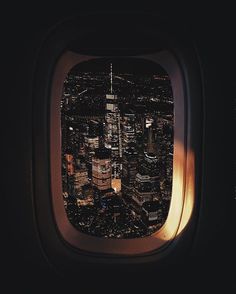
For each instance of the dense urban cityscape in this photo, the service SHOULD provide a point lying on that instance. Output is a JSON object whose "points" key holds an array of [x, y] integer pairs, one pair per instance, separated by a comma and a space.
{"points": [[117, 149]]}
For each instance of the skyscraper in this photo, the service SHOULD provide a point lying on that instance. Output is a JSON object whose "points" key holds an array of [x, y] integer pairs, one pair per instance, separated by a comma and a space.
{"points": [[152, 144], [128, 129], [101, 169], [112, 130], [80, 178], [129, 170], [146, 185]]}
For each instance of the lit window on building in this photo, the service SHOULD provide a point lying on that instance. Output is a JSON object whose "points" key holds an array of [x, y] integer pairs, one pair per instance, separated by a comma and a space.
{"points": [[117, 119]]}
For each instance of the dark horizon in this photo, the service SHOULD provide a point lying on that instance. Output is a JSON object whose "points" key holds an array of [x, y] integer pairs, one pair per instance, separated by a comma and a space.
{"points": [[132, 65]]}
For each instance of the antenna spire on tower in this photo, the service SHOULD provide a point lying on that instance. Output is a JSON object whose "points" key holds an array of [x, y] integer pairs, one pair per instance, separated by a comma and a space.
{"points": [[111, 77]]}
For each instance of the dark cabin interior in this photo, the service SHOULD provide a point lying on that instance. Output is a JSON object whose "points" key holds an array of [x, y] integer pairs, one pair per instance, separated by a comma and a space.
{"points": [[205, 260]]}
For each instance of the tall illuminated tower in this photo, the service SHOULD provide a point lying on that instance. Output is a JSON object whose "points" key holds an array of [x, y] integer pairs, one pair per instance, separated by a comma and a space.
{"points": [[146, 184], [129, 170], [128, 130], [112, 129], [101, 169]]}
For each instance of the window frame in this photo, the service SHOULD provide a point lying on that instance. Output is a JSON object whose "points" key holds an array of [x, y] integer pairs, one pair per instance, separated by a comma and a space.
{"points": [[45, 179], [169, 229]]}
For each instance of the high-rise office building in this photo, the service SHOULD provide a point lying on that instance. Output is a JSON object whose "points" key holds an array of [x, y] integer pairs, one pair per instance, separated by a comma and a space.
{"points": [[146, 185], [129, 170], [112, 131], [80, 178], [101, 169], [128, 128], [152, 142]]}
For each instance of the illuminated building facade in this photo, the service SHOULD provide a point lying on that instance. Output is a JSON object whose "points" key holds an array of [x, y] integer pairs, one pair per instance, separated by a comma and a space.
{"points": [[151, 213], [86, 197], [113, 132], [129, 170], [128, 129], [146, 185], [92, 142], [101, 169], [80, 178], [69, 164]]}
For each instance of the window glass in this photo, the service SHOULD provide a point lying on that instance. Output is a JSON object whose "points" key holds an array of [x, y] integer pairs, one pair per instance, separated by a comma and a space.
{"points": [[117, 119]]}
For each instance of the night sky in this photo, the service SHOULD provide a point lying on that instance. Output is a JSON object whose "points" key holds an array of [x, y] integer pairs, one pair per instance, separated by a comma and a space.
{"points": [[120, 65]]}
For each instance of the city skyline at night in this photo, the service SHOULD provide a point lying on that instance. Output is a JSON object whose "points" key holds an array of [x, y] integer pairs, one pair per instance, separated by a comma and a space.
{"points": [[117, 147]]}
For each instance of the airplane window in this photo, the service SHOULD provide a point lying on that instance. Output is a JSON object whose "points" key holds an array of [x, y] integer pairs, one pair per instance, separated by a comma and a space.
{"points": [[117, 130], [122, 176]]}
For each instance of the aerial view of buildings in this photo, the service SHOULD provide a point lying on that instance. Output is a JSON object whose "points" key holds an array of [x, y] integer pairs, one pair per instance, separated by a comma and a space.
{"points": [[117, 148]]}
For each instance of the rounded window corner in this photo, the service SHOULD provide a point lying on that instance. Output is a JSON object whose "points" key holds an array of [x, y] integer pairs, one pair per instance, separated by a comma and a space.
{"points": [[183, 200]]}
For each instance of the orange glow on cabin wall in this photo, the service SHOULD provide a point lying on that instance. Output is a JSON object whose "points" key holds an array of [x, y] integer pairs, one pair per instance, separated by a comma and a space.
{"points": [[189, 192]]}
